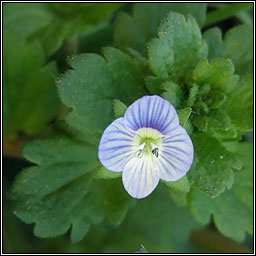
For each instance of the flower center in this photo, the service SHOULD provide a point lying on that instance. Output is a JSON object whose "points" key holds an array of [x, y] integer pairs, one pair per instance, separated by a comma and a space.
{"points": [[148, 141]]}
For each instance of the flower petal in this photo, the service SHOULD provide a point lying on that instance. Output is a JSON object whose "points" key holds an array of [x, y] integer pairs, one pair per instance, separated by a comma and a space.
{"points": [[176, 155], [153, 112], [116, 146], [140, 176]]}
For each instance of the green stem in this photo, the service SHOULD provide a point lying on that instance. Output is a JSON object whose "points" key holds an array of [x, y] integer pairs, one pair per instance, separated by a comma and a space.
{"points": [[226, 12]]}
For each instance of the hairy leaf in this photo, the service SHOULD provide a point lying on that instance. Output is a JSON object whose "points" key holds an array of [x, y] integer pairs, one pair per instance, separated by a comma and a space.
{"points": [[54, 194], [178, 48], [93, 84], [238, 46], [135, 31], [219, 74], [119, 108], [233, 210], [212, 166], [173, 93], [239, 104]]}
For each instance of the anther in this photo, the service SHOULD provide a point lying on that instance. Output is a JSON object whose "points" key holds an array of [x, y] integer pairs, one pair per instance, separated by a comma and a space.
{"points": [[139, 153], [155, 152]]}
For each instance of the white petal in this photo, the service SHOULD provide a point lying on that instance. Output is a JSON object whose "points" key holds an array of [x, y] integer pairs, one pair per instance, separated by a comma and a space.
{"points": [[140, 176], [151, 112], [116, 146], [176, 155]]}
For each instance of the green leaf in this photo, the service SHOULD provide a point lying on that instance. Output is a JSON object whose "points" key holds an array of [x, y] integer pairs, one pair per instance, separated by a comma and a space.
{"points": [[24, 19], [188, 127], [219, 119], [219, 74], [79, 230], [31, 99], [180, 185], [239, 50], [215, 99], [212, 166], [201, 123], [55, 194], [233, 210], [70, 22], [163, 227], [153, 85], [184, 115], [115, 199], [178, 48], [179, 197], [93, 84], [193, 91], [119, 108], [201, 106], [135, 31], [173, 93], [213, 37], [230, 133], [103, 173], [239, 104]]}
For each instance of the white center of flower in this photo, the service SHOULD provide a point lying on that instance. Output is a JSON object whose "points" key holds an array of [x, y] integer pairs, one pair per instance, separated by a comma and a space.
{"points": [[147, 141]]}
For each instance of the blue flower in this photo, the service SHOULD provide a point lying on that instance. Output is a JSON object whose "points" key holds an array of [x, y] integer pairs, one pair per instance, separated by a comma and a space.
{"points": [[147, 145]]}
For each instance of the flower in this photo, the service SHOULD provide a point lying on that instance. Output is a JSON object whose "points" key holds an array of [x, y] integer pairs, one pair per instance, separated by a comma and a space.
{"points": [[147, 145]]}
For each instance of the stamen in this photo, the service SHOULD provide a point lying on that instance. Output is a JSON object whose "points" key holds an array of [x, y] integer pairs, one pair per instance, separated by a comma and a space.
{"points": [[139, 153], [155, 152]]}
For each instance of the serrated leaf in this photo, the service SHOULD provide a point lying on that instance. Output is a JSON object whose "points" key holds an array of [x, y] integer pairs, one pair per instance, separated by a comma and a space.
{"points": [[238, 46], [79, 230], [200, 106], [219, 119], [103, 173], [213, 37], [201, 123], [212, 166], [219, 74], [178, 48], [184, 115], [215, 99], [119, 108], [115, 199], [193, 90], [31, 99], [239, 104], [93, 84], [173, 93], [230, 133], [54, 195], [136, 30], [180, 185], [188, 127], [233, 210]]}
